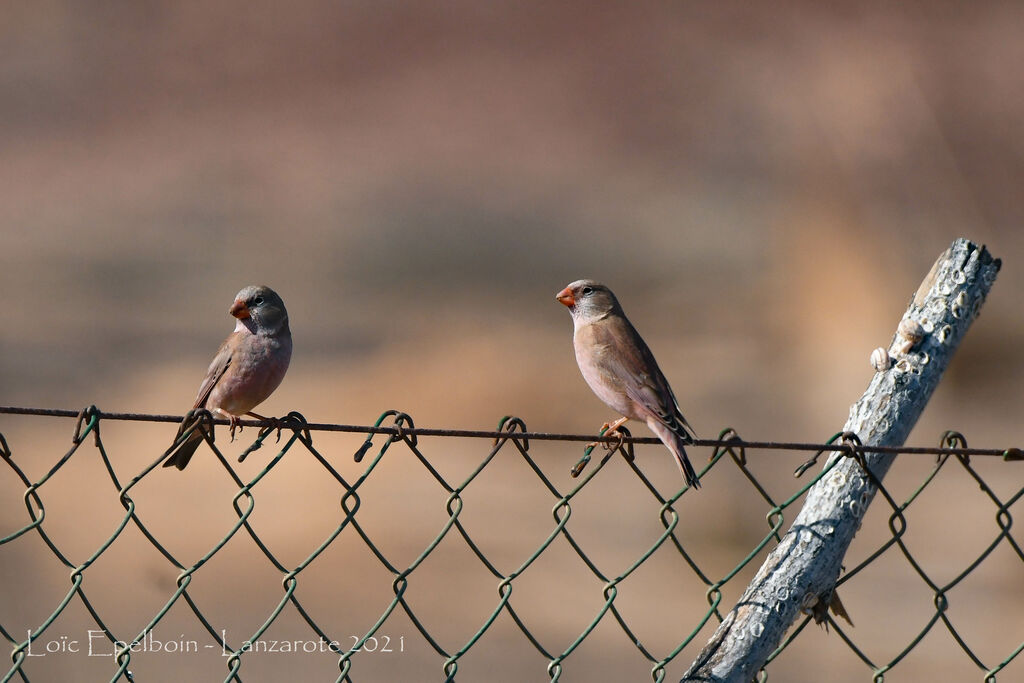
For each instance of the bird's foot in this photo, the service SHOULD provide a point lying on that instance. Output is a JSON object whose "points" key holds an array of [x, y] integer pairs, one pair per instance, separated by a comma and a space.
{"points": [[233, 425], [612, 428], [276, 423]]}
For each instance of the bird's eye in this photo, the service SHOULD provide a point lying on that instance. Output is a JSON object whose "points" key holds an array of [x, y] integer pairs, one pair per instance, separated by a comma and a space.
{"points": [[258, 301], [588, 290]]}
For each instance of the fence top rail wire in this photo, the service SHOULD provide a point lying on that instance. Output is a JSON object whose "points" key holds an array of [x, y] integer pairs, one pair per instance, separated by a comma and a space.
{"points": [[852, 448]]}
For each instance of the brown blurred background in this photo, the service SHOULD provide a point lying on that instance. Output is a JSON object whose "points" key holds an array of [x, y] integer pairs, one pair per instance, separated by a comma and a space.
{"points": [[763, 186]]}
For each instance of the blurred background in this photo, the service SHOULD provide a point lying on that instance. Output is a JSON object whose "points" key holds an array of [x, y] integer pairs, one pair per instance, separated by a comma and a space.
{"points": [[764, 187]]}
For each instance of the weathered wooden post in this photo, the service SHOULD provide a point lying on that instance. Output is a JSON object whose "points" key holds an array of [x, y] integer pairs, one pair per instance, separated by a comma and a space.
{"points": [[802, 570]]}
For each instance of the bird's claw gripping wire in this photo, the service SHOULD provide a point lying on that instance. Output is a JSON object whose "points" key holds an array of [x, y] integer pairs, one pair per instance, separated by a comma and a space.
{"points": [[626, 447], [293, 420]]}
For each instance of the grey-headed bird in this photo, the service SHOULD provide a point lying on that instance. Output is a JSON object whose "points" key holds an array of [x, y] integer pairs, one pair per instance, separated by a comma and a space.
{"points": [[248, 367], [621, 370]]}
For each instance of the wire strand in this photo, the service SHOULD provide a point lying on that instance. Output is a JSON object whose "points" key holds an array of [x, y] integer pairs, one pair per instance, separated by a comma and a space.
{"points": [[538, 436]]}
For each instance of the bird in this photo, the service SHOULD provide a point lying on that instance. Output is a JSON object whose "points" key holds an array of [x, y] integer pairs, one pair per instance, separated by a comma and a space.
{"points": [[249, 366], [621, 370]]}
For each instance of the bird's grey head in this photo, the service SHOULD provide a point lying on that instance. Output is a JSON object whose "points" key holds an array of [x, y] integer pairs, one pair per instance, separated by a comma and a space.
{"points": [[261, 310], [588, 300]]}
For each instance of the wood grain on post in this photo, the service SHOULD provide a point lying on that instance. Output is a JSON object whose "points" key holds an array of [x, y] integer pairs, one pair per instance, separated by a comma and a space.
{"points": [[802, 570]]}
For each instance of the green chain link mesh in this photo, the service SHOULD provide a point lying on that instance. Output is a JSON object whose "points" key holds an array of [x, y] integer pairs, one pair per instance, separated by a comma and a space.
{"points": [[396, 430]]}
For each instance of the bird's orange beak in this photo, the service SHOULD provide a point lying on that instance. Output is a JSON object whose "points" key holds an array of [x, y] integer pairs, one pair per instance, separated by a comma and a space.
{"points": [[239, 309], [566, 298]]}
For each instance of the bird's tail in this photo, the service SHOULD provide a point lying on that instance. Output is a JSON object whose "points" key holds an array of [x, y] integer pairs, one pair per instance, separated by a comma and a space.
{"points": [[180, 456], [689, 474], [676, 441]]}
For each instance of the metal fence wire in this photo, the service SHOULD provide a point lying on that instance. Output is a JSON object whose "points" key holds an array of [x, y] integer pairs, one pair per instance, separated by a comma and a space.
{"points": [[396, 430]]}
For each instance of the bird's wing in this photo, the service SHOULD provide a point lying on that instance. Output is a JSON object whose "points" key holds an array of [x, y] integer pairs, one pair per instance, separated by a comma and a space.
{"points": [[221, 362], [628, 359]]}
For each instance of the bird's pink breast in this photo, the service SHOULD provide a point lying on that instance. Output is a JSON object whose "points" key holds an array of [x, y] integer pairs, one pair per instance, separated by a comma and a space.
{"points": [[607, 387], [256, 371]]}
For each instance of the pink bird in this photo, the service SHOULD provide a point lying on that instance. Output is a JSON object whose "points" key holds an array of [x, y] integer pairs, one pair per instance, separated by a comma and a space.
{"points": [[248, 367], [621, 370]]}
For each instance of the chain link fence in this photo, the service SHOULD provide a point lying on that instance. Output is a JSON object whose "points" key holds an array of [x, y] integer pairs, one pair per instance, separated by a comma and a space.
{"points": [[544, 651]]}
